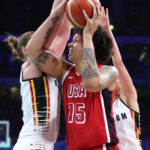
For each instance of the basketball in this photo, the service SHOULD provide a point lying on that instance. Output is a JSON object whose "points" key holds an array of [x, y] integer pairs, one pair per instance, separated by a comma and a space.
{"points": [[74, 11]]}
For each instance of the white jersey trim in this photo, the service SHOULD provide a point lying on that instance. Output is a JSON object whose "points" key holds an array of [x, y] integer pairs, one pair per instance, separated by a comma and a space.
{"points": [[105, 119], [66, 73], [127, 105], [104, 147], [21, 72]]}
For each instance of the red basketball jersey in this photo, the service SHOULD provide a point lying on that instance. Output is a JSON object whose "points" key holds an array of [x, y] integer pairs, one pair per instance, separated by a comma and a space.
{"points": [[89, 118]]}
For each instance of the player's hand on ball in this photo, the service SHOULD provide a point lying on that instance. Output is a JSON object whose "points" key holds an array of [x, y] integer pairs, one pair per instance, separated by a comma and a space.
{"points": [[92, 23]]}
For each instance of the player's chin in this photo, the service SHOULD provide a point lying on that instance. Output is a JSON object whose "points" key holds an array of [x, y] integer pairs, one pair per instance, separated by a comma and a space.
{"points": [[70, 58]]}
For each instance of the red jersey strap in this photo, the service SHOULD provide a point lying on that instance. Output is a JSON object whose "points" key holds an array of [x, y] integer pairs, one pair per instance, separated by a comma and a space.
{"points": [[100, 65]]}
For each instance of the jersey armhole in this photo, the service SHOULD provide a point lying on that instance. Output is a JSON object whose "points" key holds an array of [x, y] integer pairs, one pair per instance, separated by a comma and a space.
{"points": [[129, 107]]}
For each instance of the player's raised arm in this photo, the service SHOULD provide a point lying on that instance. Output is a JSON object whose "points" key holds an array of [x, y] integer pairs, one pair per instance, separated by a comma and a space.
{"points": [[44, 60], [128, 89], [94, 79], [128, 92], [56, 42], [41, 35]]}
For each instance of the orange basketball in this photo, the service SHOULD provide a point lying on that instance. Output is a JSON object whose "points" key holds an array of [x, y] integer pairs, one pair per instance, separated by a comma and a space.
{"points": [[74, 11]]}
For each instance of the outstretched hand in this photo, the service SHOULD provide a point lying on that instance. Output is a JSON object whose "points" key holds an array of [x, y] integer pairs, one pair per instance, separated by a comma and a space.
{"points": [[104, 19]]}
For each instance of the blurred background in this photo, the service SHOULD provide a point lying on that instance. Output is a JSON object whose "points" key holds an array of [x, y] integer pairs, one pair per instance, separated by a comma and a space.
{"points": [[130, 20]]}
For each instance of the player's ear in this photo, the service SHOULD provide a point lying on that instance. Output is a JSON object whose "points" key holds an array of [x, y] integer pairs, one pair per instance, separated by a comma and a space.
{"points": [[23, 49]]}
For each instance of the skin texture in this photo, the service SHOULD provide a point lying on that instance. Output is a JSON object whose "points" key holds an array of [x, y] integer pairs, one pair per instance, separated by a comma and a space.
{"points": [[59, 35], [88, 62]]}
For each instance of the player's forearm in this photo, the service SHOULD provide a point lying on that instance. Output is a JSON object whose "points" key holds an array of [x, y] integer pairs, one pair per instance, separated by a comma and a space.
{"points": [[56, 3], [124, 77], [56, 43], [59, 35], [40, 36], [116, 57], [90, 72]]}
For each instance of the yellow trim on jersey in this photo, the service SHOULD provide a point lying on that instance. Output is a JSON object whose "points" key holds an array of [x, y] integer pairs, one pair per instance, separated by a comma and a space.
{"points": [[34, 100], [137, 130], [47, 100]]}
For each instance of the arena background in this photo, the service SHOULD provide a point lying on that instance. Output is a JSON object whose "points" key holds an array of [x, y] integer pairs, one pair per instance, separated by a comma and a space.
{"points": [[131, 22]]}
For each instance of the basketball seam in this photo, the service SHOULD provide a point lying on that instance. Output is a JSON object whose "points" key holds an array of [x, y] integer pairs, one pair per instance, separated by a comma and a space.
{"points": [[90, 2], [78, 5], [71, 17]]}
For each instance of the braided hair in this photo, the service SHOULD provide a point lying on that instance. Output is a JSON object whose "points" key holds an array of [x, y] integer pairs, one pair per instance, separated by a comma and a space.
{"points": [[16, 44]]}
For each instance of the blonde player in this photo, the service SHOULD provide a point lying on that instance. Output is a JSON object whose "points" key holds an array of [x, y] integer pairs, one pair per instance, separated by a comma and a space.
{"points": [[39, 91]]}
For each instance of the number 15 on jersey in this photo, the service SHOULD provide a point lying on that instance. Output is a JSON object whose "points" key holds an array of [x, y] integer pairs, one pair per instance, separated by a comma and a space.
{"points": [[77, 113]]}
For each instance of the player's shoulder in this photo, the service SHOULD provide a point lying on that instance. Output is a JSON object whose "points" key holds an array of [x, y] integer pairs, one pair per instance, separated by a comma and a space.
{"points": [[108, 67]]}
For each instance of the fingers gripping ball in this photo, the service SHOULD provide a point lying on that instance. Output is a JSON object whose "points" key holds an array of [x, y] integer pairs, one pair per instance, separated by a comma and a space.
{"points": [[74, 11]]}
